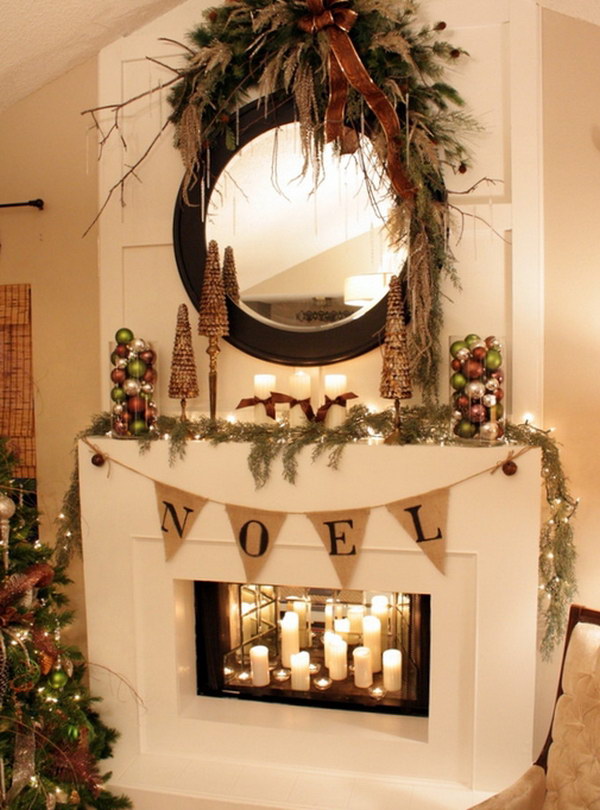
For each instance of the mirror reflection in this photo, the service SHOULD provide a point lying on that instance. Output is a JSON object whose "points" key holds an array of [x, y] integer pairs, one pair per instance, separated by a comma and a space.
{"points": [[310, 247]]}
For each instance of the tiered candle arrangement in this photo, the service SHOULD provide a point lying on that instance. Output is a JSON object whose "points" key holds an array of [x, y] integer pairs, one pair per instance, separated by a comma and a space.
{"points": [[477, 388], [133, 374]]}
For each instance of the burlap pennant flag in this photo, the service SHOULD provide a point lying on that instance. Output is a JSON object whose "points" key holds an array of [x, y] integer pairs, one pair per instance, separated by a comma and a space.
{"points": [[255, 531], [342, 534], [178, 511], [424, 517]]}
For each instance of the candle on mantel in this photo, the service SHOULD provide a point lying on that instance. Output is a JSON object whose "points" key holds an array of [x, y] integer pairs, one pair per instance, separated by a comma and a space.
{"points": [[290, 642], [259, 665], [300, 662], [363, 669], [338, 659], [300, 607], [372, 639], [334, 385], [327, 636], [342, 628], [263, 385], [392, 670], [355, 616], [380, 608], [329, 615], [300, 385]]}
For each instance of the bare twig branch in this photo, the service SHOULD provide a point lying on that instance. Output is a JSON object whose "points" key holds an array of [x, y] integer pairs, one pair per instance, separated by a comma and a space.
{"points": [[121, 104], [179, 44], [491, 180], [177, 71], [477, 218]]}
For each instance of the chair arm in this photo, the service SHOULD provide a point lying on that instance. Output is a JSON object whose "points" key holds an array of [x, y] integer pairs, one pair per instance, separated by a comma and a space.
{"points": [[527, 793]]}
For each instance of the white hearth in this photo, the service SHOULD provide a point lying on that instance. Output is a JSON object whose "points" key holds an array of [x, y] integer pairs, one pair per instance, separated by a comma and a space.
{"points": [[206, 752]]}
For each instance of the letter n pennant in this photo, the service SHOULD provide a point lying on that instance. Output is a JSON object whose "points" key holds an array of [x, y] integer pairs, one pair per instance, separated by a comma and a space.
{"points": [[424, 518], [178, 511], [255, 531], [342, 535]]}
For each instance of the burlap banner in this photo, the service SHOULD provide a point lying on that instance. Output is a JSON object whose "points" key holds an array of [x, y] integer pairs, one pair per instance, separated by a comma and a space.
{"points": [[178, 511], [342, 535], [424, 517], [256, 531]]}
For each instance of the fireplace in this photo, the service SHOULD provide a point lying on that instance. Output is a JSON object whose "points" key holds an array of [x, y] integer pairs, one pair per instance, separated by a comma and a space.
{"points": [[320, 647], [476, 731]]}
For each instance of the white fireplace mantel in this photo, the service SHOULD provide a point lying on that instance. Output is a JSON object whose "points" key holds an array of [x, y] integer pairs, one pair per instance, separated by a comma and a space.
{"points": [[140, 615]]}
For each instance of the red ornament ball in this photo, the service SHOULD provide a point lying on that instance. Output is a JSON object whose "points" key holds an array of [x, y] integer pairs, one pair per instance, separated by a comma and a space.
{"points": [[98, 460], [118, 375], [477, 414], [149, 375], [148, 356], [472, 369], [456, 365], [136, 405], [479, 352], [462, 402], [509, 467], [122, 350]]}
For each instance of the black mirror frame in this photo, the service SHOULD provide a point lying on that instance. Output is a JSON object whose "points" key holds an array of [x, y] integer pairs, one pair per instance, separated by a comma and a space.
{"points": [[250, 335]]}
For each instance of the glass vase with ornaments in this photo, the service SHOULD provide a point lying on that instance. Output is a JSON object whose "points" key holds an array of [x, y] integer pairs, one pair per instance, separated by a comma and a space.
{"points": [[133, 377], [477, 384]]}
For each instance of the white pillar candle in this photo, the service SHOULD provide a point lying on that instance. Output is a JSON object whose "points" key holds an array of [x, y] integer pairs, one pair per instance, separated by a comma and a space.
{"points": [[334, 385], [300, 671], [259, 665], [327, 636], [301, 608], [342, 628], [263, 385], [372, 639], [392, 670], [380, 607], [300, 385], [355, 616], [290, 642], [338, 610], [338, 661], [363, 669], [329, 616]]}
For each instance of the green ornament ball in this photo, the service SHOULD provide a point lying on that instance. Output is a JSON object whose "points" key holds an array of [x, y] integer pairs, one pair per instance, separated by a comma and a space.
{"points": [[493, 360], [136, 368], [123, 335], [457, 346], [471, 339], [458, 381], [117, 394], [138, 427], [58, 678], [465, 429]]}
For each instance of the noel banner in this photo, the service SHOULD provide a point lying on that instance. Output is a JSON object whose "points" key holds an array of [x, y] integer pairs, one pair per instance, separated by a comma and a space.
{"points": [[423, 517]]}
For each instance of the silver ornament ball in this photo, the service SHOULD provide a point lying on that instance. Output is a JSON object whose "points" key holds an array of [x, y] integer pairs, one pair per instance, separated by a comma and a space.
{"points": [[475, 389], [137, 345], [463, 354], [7, 507], [488, 431], [147, 388], [131, 387], [457, 416], [121, 362], [117, 409], [492, 384], [489, 400]]}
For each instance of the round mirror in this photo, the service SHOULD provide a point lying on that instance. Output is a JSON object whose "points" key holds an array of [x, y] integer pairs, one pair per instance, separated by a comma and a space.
{"points": [[310, 250]]}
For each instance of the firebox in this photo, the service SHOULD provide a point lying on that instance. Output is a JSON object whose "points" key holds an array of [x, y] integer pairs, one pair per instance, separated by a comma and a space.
{"points": [[346, 649]]}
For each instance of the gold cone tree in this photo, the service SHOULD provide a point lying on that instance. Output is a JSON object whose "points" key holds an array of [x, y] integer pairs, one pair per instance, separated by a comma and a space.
{"points": [[230, 279], [183, 383], [395, 374], [213, 321]]}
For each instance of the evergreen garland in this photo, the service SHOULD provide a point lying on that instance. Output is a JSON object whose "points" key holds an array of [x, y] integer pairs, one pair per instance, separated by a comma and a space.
{"points": [[261, 46], [51, 738]]}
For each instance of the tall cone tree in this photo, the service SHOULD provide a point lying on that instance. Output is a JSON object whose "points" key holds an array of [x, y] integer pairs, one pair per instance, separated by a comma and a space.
{"points": [[395, 375], [213, 321], [183, 383], [230, 279]]}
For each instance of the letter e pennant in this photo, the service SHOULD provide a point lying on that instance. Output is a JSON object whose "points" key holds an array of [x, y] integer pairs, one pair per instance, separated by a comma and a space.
{"points": [[255, 532], [178, 511], [424, 518], [342, 535]]}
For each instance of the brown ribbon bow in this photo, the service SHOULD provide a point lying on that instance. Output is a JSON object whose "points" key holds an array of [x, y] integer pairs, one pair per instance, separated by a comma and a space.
{"points": [[303, 403], [269, 404], [346, 67], [339, 400]]}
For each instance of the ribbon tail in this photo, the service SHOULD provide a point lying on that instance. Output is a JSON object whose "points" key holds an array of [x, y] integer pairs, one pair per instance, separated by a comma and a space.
{"points": [[349, 62], [335, 129]]}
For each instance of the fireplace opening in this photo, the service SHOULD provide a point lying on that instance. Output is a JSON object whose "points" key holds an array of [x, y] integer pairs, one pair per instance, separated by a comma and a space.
{"points": [[347, 649]]}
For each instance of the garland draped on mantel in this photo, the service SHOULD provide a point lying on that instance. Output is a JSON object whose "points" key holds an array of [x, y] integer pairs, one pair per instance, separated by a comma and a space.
{"points": [[420, 425]]}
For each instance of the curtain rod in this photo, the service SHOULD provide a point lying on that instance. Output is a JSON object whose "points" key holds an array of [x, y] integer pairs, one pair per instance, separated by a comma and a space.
{"points": [[34, 203]]}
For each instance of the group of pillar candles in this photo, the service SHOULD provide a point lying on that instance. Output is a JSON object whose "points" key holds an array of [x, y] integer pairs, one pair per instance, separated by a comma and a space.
{"points": [[300, 389], [357, 627]]}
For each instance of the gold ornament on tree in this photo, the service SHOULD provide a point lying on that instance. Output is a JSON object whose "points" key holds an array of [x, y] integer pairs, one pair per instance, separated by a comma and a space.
{"points": [[183, 383], [395, 374], [230, 279], [213, 321], [7, 510]]}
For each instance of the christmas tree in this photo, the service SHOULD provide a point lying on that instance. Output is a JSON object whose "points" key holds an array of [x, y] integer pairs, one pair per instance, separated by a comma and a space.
{"points": [[213, 321], [395, 374], [230, 281], [51, 739], [183, 383]]}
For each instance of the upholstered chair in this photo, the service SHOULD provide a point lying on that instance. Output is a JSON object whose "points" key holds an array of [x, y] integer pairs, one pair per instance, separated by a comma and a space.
{"points": [[566, 775]]}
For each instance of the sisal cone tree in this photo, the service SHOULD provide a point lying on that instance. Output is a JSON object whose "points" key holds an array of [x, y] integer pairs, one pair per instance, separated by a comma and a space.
{"points": [[395, 374], [213, 321], [230, 280], [183, 383]]}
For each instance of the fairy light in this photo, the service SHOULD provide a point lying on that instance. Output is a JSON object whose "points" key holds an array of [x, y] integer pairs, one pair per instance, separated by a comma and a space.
{"points": [[527, 418], [231, 419]]}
